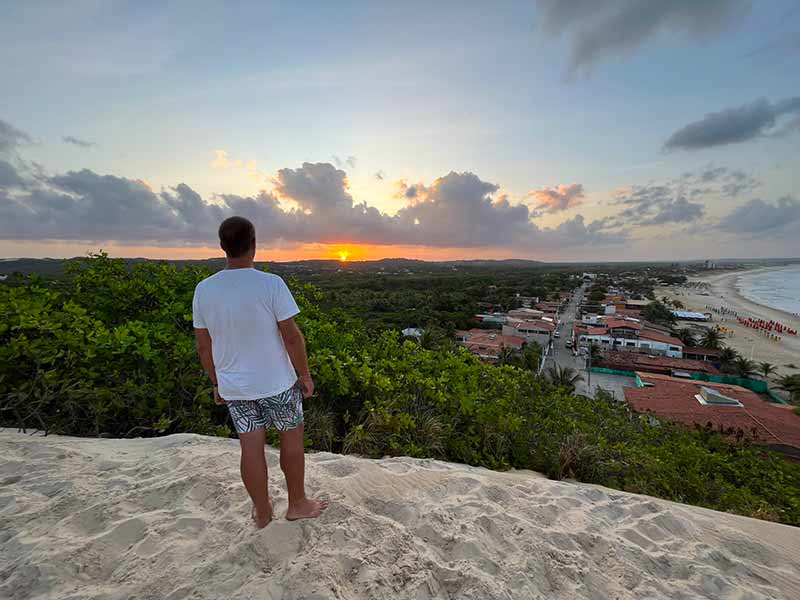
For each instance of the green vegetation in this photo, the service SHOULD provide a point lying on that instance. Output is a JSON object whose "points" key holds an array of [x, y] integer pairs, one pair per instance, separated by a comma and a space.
{"points": [[712, 338], [791, 384], [766, 369], [657, 312], [564, 377], [686, 336], [107, 351]]}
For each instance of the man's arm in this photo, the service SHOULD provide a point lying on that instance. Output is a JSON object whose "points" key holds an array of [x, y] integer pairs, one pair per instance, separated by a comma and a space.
{"points": [[296, 347], [203, 340]]}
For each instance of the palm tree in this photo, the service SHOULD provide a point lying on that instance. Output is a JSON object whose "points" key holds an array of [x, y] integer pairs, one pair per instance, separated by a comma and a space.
{"points": [[686, 336], [712, 338], [430, 338], [565, 377], [766, 369], [726, 358], [744, 366], [508, 356], [791, 384], [531, 356]]}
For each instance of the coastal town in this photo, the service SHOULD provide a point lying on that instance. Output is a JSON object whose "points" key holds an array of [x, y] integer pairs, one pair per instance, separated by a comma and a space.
{"points": [[657, 354]]}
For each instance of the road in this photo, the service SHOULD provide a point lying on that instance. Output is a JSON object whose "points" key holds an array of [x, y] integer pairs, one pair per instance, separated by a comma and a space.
{"points": [[564, 357]]}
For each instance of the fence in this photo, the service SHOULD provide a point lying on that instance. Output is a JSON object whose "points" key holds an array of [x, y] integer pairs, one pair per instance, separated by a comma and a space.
{"points": [[612, 371]]}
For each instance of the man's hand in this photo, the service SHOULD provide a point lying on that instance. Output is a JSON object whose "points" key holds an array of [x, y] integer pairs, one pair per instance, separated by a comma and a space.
{"points": [[306, 385], [219, 400]]}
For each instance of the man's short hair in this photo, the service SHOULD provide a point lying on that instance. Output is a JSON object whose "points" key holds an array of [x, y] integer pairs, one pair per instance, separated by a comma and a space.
{"points": [[236, 236]]}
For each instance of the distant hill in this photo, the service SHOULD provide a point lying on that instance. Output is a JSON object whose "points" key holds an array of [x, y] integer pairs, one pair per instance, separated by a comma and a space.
{"points": [[54, 267]]}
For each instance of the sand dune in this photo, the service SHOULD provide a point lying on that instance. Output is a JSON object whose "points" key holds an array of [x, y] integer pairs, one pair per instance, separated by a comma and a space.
{"points": [[168, 518]]}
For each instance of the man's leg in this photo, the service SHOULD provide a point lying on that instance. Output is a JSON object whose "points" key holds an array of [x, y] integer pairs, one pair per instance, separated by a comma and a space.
{"points": [[293, 465], [254, 474]]}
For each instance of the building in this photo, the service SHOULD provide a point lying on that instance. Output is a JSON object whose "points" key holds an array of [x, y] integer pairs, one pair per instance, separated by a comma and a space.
{"points": [[524, 314], [527, 301], [628, 335], [688, 315], [497, 318], [488, 344], [539, 330], [730, 408], [412, 332], [665, 365], [701, 353]]}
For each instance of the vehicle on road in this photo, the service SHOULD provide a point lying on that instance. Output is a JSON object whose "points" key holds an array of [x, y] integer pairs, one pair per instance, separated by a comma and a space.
{"points": [[568, 344], [557, 334]]}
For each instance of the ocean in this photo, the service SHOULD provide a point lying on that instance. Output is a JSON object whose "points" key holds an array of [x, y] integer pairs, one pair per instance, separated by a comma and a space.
{"points": [[776, 289]]}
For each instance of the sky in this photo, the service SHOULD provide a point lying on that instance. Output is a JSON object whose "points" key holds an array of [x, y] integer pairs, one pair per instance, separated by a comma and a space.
{"points": [[559, 130]]}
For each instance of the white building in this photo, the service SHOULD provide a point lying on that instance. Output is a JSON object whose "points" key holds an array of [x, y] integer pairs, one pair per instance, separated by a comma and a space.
{"points": [[627, 334], [538, 331]]}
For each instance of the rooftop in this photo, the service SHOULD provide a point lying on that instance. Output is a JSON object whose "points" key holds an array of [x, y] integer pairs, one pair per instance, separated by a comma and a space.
{"points": [[645, 362], [675, 399], [657, 336]]}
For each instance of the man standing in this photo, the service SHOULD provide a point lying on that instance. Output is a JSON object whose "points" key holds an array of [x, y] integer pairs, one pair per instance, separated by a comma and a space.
{"points": [[255, 355]]}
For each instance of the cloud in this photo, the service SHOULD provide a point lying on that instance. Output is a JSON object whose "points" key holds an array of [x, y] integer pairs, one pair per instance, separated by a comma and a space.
{"points": [[559, 198], [757, 217], [350, 161], [599, 29], [679, 210], [68, 139], [11, 138], [310, 203], [9, 176], [735, 125], [223, 162], [678, 200], [457, 210], [655, 205]]}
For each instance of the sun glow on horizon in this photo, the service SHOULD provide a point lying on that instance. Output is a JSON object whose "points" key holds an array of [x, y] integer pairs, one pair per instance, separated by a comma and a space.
{"points": [[343, 256]]}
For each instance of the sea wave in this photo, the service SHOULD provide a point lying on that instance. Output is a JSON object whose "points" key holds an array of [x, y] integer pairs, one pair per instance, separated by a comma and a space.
{"points": [[778, 289]]}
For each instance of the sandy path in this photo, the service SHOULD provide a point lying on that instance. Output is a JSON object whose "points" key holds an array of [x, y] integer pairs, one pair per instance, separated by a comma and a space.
{"points": [[724, 293], [167, 518]]}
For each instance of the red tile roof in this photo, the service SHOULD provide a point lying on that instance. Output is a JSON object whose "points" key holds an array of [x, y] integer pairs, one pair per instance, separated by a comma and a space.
{"points": [[703, 350], [489, 342], [516, 323], [674, 399], [614, 323], [657, 336], [633, 361]]}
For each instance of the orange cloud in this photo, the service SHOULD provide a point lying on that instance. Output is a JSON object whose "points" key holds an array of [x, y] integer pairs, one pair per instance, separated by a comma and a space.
{"points": [[559, 198]]}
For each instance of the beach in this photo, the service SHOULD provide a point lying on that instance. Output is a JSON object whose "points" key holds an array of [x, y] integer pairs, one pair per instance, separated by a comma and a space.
{"points": [[723, 291], [167, 518]]}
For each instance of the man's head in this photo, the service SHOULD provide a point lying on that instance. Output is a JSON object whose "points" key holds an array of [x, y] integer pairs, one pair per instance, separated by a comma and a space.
{"points": [[237, 237]]}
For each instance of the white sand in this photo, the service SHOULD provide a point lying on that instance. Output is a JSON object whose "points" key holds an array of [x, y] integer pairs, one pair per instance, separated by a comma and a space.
{"points": [[167, 518], [746, 341]]}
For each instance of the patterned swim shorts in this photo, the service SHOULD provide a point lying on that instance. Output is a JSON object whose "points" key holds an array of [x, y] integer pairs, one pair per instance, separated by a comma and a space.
{"points": [[283, 411]]}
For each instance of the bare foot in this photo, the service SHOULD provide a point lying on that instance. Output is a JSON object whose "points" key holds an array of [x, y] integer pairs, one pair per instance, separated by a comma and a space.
{"points": [[262, 521], [306, 509]]}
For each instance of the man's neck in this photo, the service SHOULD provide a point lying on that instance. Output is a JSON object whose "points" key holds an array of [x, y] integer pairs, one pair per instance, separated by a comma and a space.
{"points": [[239, 263]]}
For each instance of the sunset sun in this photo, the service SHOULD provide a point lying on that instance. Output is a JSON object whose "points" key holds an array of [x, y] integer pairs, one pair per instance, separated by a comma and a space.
{"points": [[343, 256]]}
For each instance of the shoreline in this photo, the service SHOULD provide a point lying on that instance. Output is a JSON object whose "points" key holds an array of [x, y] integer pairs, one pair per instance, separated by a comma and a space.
{"points": [[723, 290]]}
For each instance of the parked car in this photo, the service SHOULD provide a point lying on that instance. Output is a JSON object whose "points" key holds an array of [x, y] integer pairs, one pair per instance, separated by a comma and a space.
{"points": [[557, 334], [569, 344]]}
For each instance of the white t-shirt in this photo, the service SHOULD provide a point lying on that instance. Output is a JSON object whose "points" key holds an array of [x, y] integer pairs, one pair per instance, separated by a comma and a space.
{"points": [[241, 309]]}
